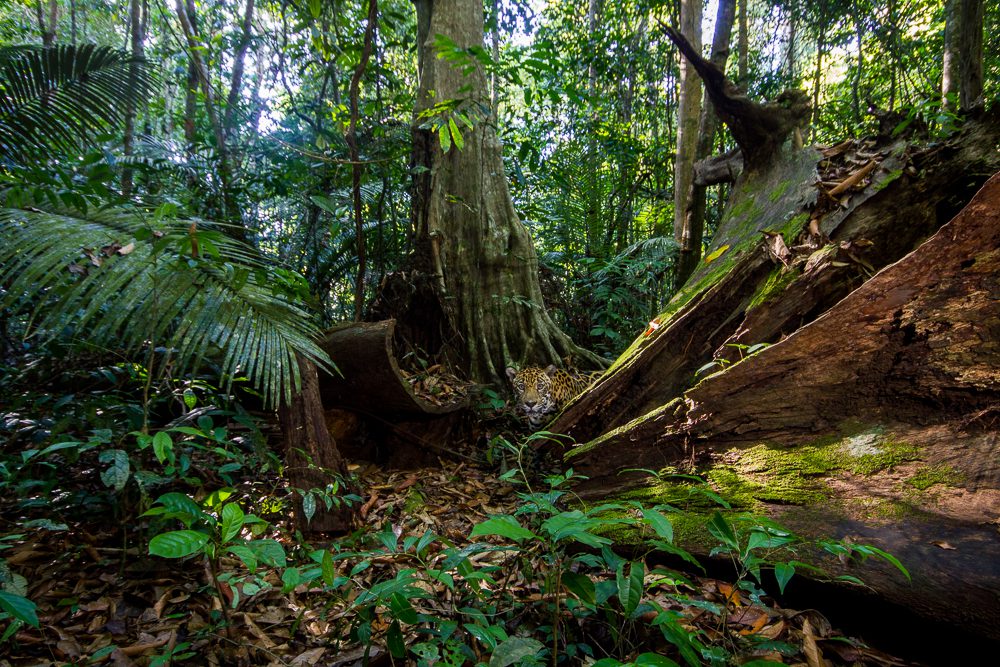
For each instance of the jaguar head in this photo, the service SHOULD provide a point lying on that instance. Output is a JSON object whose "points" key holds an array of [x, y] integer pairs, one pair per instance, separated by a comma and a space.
{"points": [[533, 393]]}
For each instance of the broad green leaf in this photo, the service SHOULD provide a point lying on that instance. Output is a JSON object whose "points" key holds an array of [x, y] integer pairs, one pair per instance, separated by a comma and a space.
{"points": [[232, 521], [445, 136], [515, 650], [180, 506], [402, 610], [722, 530], [504, 526], [659, 523], [630, 587], [456, 134], [163, 446], [581, 586], [177, 543], [117, 475], [269, 552], [290, 578], [329, 571], [783, 572], [653, 660], [308, 506], [394, 640], [19, 607]]}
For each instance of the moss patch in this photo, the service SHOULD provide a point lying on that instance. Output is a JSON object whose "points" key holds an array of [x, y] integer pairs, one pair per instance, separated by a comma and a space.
{"points": [[776, 282], [938, 474]]}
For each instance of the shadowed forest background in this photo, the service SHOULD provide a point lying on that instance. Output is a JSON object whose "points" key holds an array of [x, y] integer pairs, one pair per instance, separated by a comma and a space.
{"points": [[263, 266]]}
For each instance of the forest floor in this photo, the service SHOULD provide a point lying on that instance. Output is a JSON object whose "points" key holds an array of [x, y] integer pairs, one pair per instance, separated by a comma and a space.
{"points": [[102, 599]]}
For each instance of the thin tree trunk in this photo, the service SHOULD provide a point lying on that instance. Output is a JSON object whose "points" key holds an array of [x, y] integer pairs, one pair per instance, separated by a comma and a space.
{"points": [[231, 212], [707, 126], [47, 27], [744, 48], [136, 26], [236, 85], [792, 26], [72, 22], [688, 117], [856, 83], [962, 71], [820, 47], [352, 144]]}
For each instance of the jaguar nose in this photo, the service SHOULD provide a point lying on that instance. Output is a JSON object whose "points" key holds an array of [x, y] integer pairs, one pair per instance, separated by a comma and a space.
{"points": [[529, 404]]}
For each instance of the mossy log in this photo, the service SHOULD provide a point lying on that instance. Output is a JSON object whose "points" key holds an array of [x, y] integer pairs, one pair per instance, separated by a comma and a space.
{"points": [[877, 421]]}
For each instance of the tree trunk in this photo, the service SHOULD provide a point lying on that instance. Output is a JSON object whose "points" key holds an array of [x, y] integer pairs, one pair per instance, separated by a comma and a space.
{"points": [[137, 35], [688, 113], [688, 260], [312, 460], [962, 78], [486, 309], [352, 143], [231, 210]]}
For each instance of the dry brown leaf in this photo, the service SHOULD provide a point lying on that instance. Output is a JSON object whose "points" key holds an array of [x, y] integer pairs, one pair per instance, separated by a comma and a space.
{"points": [[814, 656], [944, 545]]}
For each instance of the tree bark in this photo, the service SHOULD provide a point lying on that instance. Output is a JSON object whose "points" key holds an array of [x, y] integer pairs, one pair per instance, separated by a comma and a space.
{"points": [[312, 460], [962, 77], [137, 35], [745, 296], [688, 113], [689, 257], [231, 208], [352, 143], [906, 363], [485, 309]]}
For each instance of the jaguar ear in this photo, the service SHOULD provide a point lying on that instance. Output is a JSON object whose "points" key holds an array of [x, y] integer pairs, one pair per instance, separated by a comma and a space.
{"points": [[511, 372], [551, 370]]}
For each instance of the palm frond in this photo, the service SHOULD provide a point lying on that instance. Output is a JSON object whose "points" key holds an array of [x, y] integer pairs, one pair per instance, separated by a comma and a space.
{"points": [[124, 279], [57, 98]]}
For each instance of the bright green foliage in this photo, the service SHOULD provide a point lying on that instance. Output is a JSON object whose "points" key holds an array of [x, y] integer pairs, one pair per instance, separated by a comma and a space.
{"points": [[48, 95]]}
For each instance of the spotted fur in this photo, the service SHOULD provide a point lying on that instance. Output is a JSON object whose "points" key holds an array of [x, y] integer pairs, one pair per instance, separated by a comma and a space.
{"points": [[541, 392]]}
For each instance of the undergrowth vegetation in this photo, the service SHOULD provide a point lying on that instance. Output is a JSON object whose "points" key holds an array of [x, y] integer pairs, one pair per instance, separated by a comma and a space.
{"points": [[539, 577]]}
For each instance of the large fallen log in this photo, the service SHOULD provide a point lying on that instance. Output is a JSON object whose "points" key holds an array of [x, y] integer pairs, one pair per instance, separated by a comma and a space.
{"points": [[889, 400]]}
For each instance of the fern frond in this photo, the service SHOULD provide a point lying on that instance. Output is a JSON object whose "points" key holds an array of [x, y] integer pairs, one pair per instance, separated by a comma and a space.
{"points": [[54, 99], [123, 279]]}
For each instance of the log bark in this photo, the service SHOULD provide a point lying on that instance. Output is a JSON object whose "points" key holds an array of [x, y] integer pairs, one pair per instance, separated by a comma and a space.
{"points": [[312, 460], [909, 357], [740, 295]]}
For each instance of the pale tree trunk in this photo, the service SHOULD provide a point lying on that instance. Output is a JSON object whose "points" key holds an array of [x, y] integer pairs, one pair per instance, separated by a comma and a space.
{"points": [[137, 34], [694, 222], [820, 47], [231, 211], [688, 116], [485, 310], [47, 27], [352, 144], [744, 48], [962, 78]]}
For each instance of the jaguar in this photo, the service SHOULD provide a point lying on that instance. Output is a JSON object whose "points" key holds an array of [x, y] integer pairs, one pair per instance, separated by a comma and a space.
{"points": [[541, 392]]}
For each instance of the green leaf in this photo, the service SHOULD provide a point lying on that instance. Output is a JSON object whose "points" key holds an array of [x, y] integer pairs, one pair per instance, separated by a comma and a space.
{"points": [[722, 531], [19, 607], [445, 137], [630, 587], [514, 651], [163, 446], [232, 521], [177, 543], [394, 640], [456, 134], [653, 660], [269, 552], [117, 475], [659, 523], [290, 578], [328, 569], [504, 526], [402, 610], [180, 506], [581, 586], [308, 506], [245, 554], [783, 572]]}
